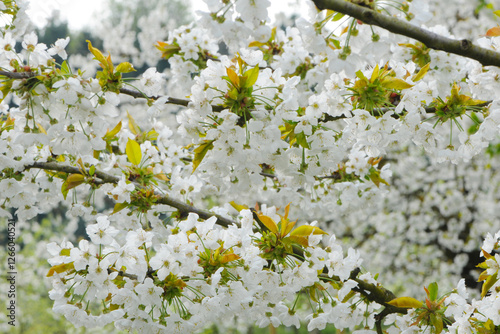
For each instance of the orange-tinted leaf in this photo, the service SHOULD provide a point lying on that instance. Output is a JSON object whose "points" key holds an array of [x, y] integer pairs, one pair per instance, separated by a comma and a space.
{"points": [[60, 268], [269, 223], [233, 77], [229, 257], [492, 32]]}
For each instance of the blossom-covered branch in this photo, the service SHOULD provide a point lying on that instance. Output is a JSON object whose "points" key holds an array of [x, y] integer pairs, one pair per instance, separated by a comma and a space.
{"points": [[107, 178], [432, 40]]}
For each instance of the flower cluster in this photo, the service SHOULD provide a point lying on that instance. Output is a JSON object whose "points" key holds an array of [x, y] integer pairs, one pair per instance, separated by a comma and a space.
{"points": [[389, 146]]}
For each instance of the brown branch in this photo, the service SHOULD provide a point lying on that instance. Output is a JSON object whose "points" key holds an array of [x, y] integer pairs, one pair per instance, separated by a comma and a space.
{"points": [[18, 75], [126, 91], [106, 178], [171, 100], [432, 40]]}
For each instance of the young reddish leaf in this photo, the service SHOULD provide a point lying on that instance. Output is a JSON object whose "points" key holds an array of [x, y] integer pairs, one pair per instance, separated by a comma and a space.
{"points": [[201, 151], [269, 223], [406, 302], [133, 150]]}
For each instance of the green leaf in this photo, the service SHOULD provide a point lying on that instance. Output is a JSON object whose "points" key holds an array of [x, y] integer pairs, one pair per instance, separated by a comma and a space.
{"points": [[421, 73], [133, 150], [252, 75], [110, 134], [72, 181], [125, 67], [306, 230], [375, 73], [255, 44], [360, 75], [374, 176], [92, 170], [337, 17], [201, 151], [302, 139], [119, 206], [97, 54], [60, 268], [406, 302], [395, 83], [303, 241], [238, 207], [490, 281], [5, 88], [433, 291], [132, 125], [65, 68], [437, 322]]}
